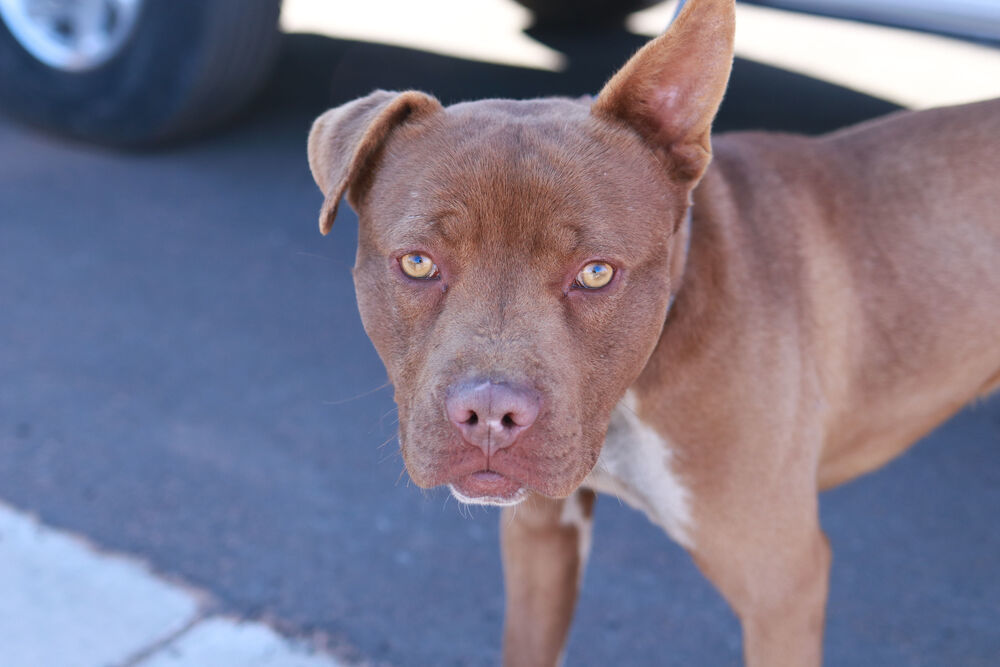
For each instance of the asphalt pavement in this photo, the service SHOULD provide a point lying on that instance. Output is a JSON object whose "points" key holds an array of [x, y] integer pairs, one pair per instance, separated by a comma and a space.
{"points": [[184, 379]]}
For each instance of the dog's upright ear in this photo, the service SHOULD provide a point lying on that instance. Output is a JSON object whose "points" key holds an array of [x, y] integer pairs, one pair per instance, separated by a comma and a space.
{"points": [[671, 89], [344, 143]]}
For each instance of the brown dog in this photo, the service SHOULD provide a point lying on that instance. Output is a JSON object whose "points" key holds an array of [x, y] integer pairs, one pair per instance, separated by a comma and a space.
{"points": [[557, 318]]}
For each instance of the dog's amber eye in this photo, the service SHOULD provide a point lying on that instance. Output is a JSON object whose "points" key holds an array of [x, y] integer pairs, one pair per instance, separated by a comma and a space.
{"points": [[418, 265], [595, 275]]}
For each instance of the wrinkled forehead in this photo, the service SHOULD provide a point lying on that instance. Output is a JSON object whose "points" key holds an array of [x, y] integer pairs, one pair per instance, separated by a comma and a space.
{"points": [[530, 176]]}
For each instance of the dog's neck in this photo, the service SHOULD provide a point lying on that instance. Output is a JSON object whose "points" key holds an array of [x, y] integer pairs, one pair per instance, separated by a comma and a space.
{"points": [[699, 294]]}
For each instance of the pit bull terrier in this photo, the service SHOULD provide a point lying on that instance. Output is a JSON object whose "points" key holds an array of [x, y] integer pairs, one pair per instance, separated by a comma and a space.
{"points": [[580, 296]]}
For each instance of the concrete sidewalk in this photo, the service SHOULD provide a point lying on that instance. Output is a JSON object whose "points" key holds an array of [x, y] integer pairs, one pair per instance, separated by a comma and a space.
{"points": [[65, 604]]}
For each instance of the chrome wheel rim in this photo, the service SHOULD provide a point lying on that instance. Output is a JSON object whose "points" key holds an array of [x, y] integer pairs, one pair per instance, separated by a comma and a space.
{"points": [[71, 35]]}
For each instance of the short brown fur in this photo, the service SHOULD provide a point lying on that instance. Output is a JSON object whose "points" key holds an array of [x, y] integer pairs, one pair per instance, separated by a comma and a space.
{"points": [[827, 303]]}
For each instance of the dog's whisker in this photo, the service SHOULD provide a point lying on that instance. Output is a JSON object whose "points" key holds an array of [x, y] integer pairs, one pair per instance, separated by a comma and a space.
{"points": [[387, 441], [387, 457], [513, 515], [395, 421], [361, 395]]}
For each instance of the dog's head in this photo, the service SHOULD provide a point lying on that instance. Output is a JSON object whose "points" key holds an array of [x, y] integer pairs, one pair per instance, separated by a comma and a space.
{"points": [[517, 259]]}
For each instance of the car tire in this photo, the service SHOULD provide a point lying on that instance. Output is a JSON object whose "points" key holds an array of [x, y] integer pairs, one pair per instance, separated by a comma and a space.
{"points": [[184, 67]]}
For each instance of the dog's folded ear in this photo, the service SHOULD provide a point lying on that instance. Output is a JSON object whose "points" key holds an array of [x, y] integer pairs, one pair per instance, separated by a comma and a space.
{"points": [[345, 142], [671, 89]]}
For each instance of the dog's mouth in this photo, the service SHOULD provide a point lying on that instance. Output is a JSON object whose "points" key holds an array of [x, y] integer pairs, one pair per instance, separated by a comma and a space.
{"points": [[488, 487]]}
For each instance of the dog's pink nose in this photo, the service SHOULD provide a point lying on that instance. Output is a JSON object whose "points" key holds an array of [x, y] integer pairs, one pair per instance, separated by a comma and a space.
{"points": [[491, 415]]}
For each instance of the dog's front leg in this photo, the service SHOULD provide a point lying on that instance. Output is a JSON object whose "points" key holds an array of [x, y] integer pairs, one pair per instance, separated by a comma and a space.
{"points": [[544, 547], [771, 561]]}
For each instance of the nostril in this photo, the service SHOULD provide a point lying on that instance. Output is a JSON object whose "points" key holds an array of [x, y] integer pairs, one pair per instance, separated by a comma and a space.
{"points": [[491, 415]]}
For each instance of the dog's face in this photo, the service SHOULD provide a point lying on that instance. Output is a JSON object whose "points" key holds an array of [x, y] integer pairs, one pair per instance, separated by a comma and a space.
{"points": [[514, 266], [507, 203]]}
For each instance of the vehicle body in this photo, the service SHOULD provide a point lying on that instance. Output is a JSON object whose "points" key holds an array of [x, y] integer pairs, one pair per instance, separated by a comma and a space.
{"points": [[147, 72]]}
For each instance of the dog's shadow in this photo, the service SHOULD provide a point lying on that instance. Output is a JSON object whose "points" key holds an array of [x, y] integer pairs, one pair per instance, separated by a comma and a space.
{"points": [[316, 72]]}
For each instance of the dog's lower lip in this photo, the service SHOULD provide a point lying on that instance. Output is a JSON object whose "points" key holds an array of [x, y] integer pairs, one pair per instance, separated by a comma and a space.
{"points": [[487, 476], [488, 484]]}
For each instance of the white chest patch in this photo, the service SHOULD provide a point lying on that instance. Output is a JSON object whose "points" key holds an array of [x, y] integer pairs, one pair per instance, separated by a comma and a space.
{"points": [[573, 515], [635, 465]]}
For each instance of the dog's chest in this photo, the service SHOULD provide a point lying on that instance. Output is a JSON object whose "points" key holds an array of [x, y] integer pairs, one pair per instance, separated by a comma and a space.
{"points": [[635, 466]]}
